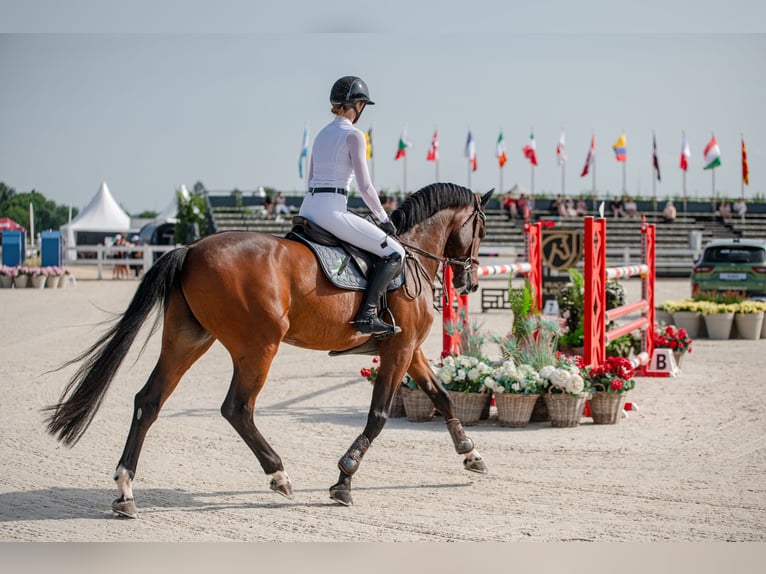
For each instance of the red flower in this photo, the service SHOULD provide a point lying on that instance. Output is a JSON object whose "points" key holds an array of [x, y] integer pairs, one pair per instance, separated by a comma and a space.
{"points": [[616, 384], [375, 360], [365, 372]]}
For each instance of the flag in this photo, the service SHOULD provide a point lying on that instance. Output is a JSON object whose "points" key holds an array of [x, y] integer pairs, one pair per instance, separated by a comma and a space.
{"points": [[712, 154], [530, 150], [655, 159], [620, 149], [745, 169], [304, 152], [686, 153], [591, 159], [401, 150], [470, 151], [501, 155], [561, 156], [433, 149], [368, 143]]}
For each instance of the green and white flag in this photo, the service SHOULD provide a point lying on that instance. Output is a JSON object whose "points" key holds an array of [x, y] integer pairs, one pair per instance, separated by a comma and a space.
{"points": [[712, 154]]}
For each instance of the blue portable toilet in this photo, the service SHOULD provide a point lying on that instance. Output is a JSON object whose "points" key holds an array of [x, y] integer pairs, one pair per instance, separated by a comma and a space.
{"points": [[51, 248], [14, 252]]}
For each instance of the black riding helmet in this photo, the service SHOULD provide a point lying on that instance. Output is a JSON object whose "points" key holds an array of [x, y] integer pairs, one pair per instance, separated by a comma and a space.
{"points": [[349, 90]]}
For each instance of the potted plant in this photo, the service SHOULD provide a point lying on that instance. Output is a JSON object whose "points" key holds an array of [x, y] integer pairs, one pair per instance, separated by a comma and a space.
{"points": [[516, 388], [565, 392], [749, 319], [609, 381], [6, 276], [21, 278], [718, 308], [463, 376], [686, 315], [674, 338]]}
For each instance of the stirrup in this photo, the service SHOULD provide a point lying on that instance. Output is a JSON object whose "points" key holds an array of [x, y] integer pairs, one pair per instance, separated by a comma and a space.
{"points": [[367, 326]]}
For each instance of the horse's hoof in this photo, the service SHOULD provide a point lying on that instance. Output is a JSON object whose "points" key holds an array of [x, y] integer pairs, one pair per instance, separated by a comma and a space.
{"points": [[125, 507], [283, 488], [475, 465], [341, 496]]}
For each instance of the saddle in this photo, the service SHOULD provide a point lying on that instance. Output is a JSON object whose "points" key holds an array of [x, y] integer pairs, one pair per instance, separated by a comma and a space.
{"points": [[345, 265]]}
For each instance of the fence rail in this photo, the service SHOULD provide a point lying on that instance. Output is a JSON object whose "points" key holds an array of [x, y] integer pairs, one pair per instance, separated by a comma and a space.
{"points": [[103, 255]]}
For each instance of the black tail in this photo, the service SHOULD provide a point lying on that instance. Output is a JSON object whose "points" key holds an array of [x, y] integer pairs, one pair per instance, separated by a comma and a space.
{"points": [[85, 391]]}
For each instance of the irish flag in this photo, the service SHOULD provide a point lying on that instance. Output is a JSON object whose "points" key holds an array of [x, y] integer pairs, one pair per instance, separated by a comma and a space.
{"points": [[401, 150], [501, 155], [530, 150], [712, 154]]}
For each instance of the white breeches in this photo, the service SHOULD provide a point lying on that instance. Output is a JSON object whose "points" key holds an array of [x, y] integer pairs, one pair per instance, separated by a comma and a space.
{"points": [[329, 210]]}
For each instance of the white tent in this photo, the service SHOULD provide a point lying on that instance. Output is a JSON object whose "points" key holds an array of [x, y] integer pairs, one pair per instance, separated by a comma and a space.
{"points": [[102, 215], [170, 213]]}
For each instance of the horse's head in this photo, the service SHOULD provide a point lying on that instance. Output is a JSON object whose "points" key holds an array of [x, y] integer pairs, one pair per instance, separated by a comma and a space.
{"points": [[462, 248]]}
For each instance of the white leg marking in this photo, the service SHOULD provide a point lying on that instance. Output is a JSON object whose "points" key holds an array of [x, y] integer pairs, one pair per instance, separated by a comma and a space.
{"points": [[124, 483], [139, 414], [472, 456], [280, 478]]}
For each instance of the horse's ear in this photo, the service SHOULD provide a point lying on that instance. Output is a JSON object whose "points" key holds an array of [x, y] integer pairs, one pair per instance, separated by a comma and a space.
{"points": [[486, 197]]}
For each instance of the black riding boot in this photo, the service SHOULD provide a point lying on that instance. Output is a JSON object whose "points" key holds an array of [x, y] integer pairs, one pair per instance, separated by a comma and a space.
{"points": [[367, 321]]}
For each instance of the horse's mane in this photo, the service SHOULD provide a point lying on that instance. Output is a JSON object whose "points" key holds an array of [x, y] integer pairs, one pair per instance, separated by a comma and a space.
{"points": [[430, 200]]}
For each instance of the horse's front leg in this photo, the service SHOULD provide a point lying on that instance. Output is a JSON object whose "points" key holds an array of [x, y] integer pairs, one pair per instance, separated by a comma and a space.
{"points": [[423, 375], [382, 399]]}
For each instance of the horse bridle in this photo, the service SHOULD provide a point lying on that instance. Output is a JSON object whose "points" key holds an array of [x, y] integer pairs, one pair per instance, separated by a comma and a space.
{"points": [[468, 263]]}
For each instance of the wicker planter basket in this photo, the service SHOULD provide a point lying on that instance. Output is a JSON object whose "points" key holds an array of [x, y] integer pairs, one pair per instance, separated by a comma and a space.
{"points": [[565, 410], [468, 406], [515, 410], [417, 406], [606, 408]]}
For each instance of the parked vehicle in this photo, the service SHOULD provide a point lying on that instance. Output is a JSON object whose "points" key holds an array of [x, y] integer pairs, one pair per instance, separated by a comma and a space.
{"points": [[732, 265]]}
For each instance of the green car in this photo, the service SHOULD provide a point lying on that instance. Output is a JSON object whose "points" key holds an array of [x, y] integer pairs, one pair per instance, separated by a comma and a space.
{"points": [[732, 265]]}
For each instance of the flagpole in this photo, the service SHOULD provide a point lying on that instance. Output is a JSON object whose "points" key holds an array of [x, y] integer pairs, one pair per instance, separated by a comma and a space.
{"points": [[404, 176], [469, 173], [532, 192], [436, 167], [501, 179], [742, 178], [685, 200]]}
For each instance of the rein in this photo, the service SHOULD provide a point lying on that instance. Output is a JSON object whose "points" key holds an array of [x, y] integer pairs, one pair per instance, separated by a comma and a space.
{"points": [[420, 272]]}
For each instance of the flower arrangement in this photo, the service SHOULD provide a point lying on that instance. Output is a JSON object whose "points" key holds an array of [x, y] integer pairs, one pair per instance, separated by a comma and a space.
{"points": [[9, 271], [465, 374], [750, 306], [672, 337], [509, 377], [614, 375], [563, 378]]}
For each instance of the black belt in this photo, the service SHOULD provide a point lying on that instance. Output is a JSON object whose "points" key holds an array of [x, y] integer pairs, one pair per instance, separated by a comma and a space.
{"points": [[340, 190]]}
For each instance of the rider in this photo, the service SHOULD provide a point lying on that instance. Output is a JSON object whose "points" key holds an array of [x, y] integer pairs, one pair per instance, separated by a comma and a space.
{"points": [[338, 154]]}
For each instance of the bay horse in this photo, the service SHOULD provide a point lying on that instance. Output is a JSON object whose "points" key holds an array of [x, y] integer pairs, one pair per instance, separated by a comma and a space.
{"points": [[252, 291]]}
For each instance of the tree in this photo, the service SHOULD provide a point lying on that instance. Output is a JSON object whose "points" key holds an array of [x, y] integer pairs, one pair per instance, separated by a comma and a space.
{"points": [[47, 214]]}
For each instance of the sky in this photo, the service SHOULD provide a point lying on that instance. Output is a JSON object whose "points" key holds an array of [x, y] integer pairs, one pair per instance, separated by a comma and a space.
{"points": [[220, 92]]}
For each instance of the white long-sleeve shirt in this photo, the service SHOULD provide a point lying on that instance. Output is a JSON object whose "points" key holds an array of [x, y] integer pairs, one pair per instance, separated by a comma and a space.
{"points": [[338, 154]]}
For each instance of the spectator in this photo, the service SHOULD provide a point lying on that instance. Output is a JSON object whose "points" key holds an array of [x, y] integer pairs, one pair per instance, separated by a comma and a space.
{"points": [[389, 202], [120, 270], [582, 208], [617, 207], [280, 205], [739, 208], [569, 208], [268, 206], [669, 213], [556, 205], [631, 209], [724, 210], [135, 241], [509, 205], [522, 207]]}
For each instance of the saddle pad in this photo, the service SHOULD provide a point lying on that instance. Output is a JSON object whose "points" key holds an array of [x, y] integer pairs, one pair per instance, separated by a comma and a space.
{"points": [[339, 267]]}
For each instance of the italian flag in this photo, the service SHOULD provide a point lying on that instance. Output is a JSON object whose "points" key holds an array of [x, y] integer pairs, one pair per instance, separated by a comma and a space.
{"points": [[403, 145], [712, 154]]}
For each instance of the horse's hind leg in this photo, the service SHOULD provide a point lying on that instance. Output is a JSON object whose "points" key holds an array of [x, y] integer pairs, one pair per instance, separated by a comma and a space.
{"points": [[421, 373], [183, 342], [250, 372]]}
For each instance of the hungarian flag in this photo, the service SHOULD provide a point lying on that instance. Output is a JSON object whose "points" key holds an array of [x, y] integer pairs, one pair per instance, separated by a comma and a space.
{"points": [[433, 149], [655, 159], [403, 145], [620, 148], [745, 169], [530, 150], [686, 153], [304, 151], [368, 142], [561, 156], [591, 159], [712, 154], [501, 155], [470, 151]]}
